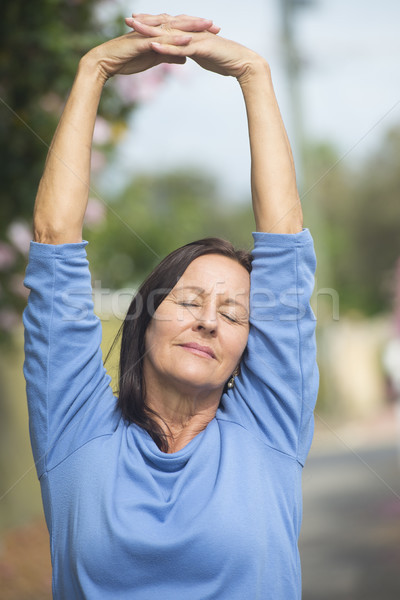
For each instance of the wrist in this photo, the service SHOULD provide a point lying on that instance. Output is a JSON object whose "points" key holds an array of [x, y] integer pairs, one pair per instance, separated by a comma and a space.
{"points": [[255, 71], [90, 67]]}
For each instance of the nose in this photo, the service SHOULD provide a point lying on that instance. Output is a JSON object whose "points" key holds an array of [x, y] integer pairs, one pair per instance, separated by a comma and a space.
{"points": [[207, 319]]}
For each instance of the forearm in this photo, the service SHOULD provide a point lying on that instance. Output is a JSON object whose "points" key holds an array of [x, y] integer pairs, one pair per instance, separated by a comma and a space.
{"points": [[276, 202], [64, 188]]}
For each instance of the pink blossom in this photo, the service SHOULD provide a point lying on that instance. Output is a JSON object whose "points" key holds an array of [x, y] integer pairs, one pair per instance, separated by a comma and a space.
{"points": [[7, 256], [102, 131], [95, 213], [8, 319], [98, 160], [397, 299], [141, 87], [171, 68], [20, 236]]}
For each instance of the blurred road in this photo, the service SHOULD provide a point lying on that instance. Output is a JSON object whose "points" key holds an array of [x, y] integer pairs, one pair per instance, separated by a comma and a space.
{"points": [[350, 539]]}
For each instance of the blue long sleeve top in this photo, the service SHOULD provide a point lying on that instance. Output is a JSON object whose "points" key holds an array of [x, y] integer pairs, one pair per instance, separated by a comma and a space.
{"points": [[220, 518]]}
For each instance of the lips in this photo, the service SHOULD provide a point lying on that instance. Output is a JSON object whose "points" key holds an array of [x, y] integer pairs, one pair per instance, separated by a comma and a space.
{"points": [[198, 349]]}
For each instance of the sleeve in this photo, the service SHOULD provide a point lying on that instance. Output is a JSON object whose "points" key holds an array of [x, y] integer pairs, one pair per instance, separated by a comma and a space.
{"points": [[275, 393], [70, 400]]}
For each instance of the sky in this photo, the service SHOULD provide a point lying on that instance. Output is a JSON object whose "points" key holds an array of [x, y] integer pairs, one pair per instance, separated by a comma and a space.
{"points": [[350, 50]]}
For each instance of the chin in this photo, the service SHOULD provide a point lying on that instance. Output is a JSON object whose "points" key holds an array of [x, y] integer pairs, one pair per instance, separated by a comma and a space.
{"points": [[192, 381]]}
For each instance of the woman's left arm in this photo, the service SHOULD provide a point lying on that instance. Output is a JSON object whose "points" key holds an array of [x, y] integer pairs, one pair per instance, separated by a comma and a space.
{"points": [[276, 201]]}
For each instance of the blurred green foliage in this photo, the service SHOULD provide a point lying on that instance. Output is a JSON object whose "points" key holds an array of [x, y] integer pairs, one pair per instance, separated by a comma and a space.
{"points": [[357, 225], [40, 47], [154, 215]]}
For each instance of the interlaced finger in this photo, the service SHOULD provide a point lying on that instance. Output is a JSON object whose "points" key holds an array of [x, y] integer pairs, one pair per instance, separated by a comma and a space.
{"points": [[154, 20], [181, 22], [185, 23], [175, 60], [166, 36], [167, 49], [190, 25], [147, 30]]}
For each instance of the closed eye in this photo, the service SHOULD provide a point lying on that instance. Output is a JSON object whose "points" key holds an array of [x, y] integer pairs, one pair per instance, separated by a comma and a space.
{"points": [[187, 304], [231, 319]]}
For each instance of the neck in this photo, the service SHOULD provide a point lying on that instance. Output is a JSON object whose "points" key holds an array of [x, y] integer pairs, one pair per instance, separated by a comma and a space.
{"points": [[183, 413]]}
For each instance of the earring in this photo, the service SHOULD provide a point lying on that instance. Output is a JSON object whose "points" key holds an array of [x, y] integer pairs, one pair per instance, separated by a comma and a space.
{"points": [[231, 382]]}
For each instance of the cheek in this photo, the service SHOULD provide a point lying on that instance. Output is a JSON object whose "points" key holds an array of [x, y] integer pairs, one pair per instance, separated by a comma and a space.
{"points": [[155, 333], [171, 319], [243, 343], [163, 328], [237, 342]]}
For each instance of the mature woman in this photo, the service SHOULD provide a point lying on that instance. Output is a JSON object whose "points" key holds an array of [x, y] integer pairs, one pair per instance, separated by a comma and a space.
{"points": [[189, 485]]}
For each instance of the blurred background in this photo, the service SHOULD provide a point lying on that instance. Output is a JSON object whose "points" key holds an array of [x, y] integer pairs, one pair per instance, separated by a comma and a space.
{"points": [[171, 164]]}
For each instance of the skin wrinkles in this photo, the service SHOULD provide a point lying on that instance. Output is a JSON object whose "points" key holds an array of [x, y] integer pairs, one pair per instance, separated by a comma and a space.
{"points": [[196, 297], [184, 384]]}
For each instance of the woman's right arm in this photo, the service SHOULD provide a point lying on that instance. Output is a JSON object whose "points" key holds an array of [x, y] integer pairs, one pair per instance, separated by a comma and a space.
{"points": [[64, 188]]}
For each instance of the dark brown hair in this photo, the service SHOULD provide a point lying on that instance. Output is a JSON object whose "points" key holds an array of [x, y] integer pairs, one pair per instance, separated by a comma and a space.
{"points": [[131, 397]]}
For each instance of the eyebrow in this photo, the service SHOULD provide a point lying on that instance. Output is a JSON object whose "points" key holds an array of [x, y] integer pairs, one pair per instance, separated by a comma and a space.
{"points": [[201, 292]]}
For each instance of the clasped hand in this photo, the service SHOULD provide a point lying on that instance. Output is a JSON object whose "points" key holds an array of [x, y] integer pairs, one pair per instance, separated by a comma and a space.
{"points": [[159, 39]]}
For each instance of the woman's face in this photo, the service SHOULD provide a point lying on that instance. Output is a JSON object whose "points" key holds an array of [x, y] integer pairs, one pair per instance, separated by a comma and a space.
{"points": [[199, 332]]}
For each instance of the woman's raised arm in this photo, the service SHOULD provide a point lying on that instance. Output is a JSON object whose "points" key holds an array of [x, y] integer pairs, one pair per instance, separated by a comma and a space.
{"points": [[64, 188], [276, 201]]}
